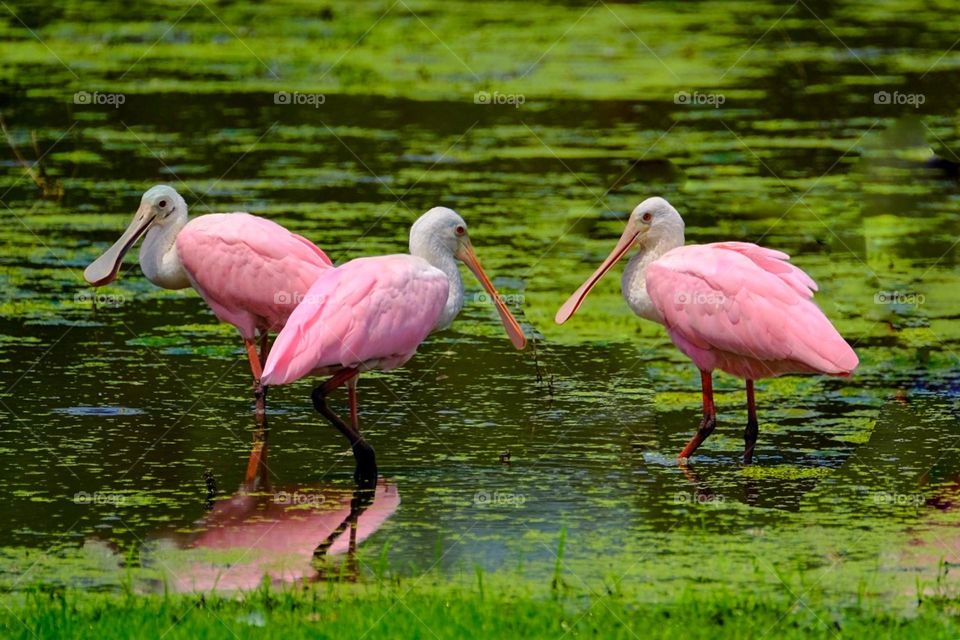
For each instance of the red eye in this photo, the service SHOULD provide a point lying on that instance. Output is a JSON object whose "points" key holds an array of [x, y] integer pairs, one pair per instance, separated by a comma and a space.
{"points": [[647, 217], [460, 230]]}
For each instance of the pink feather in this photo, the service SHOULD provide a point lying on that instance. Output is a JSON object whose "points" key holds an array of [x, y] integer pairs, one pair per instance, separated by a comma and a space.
{"points": [[746, 310], [370, 311], [250, 270]]}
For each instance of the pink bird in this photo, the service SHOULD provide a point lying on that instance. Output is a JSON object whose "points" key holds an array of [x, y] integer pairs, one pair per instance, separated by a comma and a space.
{"points": [[288, 534], [373, 313], [732, 306], [251, 271]]}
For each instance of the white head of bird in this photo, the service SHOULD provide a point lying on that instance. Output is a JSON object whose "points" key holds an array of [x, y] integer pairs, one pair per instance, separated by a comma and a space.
{"points": [[440, 237], [161, 216], [654, 226]]}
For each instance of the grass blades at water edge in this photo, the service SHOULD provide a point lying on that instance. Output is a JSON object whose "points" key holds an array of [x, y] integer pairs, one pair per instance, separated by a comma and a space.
{"points": [[429, 609]]}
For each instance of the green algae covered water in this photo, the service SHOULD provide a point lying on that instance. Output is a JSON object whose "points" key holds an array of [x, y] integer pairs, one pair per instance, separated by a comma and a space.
{"points": [[827, 130]]}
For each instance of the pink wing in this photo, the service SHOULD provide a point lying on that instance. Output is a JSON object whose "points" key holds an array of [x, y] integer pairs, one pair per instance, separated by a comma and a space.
{"points": [[368, 310], [746, 310], [250, 270]]}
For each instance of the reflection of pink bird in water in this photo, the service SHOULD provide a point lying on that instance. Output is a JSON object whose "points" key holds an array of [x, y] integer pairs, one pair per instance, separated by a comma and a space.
{"points": [[731, 306], [373, 313], [282, 534], [251, 271]]}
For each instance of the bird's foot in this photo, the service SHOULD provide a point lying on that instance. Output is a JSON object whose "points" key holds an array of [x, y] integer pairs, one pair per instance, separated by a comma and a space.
{"points": [[707, 425], [365, 475]]}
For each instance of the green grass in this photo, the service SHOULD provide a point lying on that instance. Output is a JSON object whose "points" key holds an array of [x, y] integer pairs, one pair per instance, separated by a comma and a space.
{"points": [[438, 610]]}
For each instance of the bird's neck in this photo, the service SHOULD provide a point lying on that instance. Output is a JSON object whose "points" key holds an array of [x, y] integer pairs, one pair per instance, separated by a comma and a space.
{"points": [[633, 285], [441, 258], [159, 259]]}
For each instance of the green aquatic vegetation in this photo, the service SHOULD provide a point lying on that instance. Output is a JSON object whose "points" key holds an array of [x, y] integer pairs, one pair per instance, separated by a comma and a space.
{"points": [[785, 472], [149, 396]]}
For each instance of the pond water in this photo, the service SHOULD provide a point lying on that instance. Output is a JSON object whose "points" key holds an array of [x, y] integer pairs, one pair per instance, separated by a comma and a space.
{"points": [[127, 415]]}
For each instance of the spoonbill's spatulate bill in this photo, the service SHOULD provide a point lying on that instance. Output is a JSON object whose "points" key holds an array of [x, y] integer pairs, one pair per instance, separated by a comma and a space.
{"points": [[373, 313], [251, 271], [732, 306]]}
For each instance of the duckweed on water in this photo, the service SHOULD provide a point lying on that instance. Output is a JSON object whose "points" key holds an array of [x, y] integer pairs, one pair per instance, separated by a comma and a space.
{"points": [[853, 489]]}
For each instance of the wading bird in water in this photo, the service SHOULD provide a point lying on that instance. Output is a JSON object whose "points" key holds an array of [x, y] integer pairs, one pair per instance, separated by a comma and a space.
{"points": [[373, 313], [732, 306], [251, 271]]}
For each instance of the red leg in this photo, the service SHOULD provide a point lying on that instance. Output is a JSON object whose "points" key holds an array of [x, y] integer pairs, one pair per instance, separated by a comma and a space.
{"points": [[709, 421], [257, 477], [256, 368], [753, 427], [254, 359]]}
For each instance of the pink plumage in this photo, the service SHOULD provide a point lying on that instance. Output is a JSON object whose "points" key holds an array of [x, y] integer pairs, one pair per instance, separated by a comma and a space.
{"points": [[732, 306], [370, 312], [745, 310], [250, 270]]}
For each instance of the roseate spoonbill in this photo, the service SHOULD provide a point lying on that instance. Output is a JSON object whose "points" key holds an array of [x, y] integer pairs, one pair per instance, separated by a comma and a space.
{"points": [[251, 271], [373, 313], [732, 306], [288, 533]]}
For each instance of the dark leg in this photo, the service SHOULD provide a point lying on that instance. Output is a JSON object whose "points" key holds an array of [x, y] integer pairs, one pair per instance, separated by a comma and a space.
{"points": [[709, 421], [362, 499], [264, 348], [750, 433], [260, 391], [260, 396], [354, 411], [366, 472]]}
